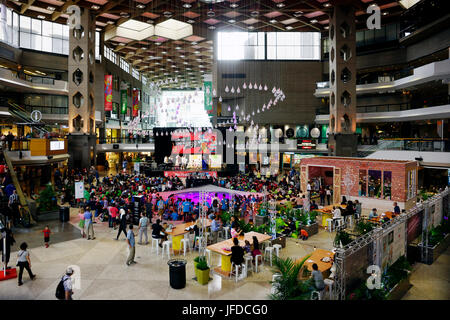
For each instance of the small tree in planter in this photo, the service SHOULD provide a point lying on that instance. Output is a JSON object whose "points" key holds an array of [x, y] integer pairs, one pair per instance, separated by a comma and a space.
{"points": [[202, 271], [47, 199]]}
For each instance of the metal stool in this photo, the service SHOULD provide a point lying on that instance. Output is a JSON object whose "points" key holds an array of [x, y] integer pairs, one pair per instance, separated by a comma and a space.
{"points": [[329, 283], [221, 233], [248, 258], [349, 221], [329, 225], [166, 245], [319, 295], [155, 243], [185, 244], [227, 232], [208, 256], [268, 250], [237, 266], [338, 222], [277, 248], [257, 261]]}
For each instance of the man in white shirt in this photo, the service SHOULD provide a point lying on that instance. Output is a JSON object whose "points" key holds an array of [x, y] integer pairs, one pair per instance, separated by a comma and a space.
{"points": [[143, 224], [308, 189], [336, 214]]}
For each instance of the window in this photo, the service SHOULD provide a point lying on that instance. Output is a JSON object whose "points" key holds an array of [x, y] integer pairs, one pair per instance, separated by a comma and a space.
{"points": [[109, 54], [293, 45], [135, 73], [375, 183], [411, 184], [241, 45], [124, 65], [362, 183], [387, 183], [98, 56]]}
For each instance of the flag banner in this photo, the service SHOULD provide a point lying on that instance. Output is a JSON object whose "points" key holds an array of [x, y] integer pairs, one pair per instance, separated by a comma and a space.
{"points": [[108, 92], [123, 101], [208, 95], [135, 102]]}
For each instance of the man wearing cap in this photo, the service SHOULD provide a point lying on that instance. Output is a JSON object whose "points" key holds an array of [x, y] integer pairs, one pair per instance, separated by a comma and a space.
{"points": [[67, 281]]}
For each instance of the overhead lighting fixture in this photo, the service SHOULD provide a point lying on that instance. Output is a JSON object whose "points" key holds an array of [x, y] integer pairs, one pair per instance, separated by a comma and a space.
{"points": [[231, 21], [150, 21], [164, 52], [193, 43], [254, 13], [326, 5], [251, 27], [385, 13], [314, 21], [273, 21], [41, 17], [51, 8], [95, 7], [187, 5], [281, 5], [131, 29], [211, 27], [191, 21], [298, 13], [178, 48], [98, 29], [234, 5], [181, 56], [140, 6], [327, 27], [173, 29], [210, 13], [110, 22], [289, 28], [124, 14], [167, 14]]}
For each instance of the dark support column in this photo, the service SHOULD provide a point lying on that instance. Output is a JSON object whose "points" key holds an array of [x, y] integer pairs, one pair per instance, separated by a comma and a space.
{"points": [[81, 67], [342, 138]]}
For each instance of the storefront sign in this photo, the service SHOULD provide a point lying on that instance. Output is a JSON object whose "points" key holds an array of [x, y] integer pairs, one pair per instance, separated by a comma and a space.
{"points": [[135, 102], [108, 92], [306, 144], [208, 95], [123, 101], [185, 174]]}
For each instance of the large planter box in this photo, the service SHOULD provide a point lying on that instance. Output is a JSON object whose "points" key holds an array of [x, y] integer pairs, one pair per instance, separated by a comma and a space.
{"points": [[435, 252], [202, 276], [279, 240], [400, 289], [311, 229], [260, 220]]}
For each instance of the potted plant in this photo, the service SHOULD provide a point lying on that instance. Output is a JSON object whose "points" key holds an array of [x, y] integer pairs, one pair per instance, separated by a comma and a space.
{"points": [[343, 238], [438, 241], [202, 271]]}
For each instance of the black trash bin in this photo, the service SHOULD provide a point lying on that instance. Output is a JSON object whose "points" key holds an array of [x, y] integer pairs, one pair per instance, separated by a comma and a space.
{"points": [[64, 214], [177, 273]]}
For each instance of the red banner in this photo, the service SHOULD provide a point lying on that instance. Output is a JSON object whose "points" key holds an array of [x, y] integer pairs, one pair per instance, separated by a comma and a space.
{"points": [[135, 102], [108, 92], [185, 174]]}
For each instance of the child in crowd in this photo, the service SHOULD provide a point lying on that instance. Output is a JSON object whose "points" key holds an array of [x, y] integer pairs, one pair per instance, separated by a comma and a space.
{"points": [[247, 247], [82, 222], [46, 232]]}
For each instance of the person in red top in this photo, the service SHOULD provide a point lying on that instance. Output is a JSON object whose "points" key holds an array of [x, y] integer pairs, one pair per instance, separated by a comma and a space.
{"points": [[303, 234], [46, 232]]}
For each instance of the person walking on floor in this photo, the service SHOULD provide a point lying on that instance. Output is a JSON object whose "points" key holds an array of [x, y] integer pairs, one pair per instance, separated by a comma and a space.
{"points": [[46, 232], [23, 262], [143, 224], [89, 223], [123, 223], [64, 288], [131, 246]]}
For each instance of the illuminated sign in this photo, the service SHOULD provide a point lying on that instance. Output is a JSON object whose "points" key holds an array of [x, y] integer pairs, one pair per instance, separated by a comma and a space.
{"points": [[306, 144], [56, 145]]}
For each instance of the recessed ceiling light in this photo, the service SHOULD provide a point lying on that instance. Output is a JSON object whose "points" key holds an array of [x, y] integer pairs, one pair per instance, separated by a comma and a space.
{"points": [[158, 43], [273, 21], [298, 13], [281, 5], [140, 6], [187, 5], [95, 7], [327, 5], [211, 27], [289, 28], [167, 14], [51, 8], [326, 27], [178, 48], [314, 21], [231, 21], [110, 22], [385, 13], [210, 13], [164, 52], [254, 13], [150, 21], [41, 17], [251, 27], [234, 5], [191, 21]]}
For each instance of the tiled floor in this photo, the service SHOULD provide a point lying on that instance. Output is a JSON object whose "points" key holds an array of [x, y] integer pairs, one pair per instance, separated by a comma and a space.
{"points": [[104, 274]]}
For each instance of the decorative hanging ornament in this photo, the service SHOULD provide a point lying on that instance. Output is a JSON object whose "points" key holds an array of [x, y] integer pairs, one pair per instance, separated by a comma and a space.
{"points": [[238, 90], [244, 86], [229, 108], [255, 86], [260, 87], [253, 113], [232, 89], [274, 89], [237, 107], [226, 89], [220, 99], [214, 92], [257, 111], [265, 87], [250, 86]]}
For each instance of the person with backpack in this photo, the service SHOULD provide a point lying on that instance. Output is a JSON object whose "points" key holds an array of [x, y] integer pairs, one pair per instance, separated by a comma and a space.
{"points": [[64, 288], [123, 223]]}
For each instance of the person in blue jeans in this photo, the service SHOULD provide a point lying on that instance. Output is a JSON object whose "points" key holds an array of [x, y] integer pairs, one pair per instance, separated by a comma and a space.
{"points": [[88, 223]]}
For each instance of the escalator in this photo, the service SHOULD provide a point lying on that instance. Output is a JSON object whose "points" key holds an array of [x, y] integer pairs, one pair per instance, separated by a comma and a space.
{"points": [[24, 116]]}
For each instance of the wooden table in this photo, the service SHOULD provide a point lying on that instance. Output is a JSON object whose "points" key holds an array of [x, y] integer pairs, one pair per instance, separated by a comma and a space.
{"points": [[225, 267], [327, 212], [316, 257], [178, 232], [388, 214]]}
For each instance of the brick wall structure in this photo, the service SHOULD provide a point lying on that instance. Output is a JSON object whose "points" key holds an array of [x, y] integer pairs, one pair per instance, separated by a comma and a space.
{"points": [[349, 176]]}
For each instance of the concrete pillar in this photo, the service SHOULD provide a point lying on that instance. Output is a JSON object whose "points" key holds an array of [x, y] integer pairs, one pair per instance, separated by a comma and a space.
{"points": [[342, 138], [81, 67]]}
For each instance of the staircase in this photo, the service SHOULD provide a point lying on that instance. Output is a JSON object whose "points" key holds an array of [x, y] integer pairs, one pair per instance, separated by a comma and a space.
{"points": [[365, 151], [23, 201], [21, 114]]}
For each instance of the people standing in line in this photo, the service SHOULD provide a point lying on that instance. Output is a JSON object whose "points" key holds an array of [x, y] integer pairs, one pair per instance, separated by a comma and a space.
{"points": [[131, 246], [143, 225], [89, 224], [46, 232], [24, 262], [123, 223], [6, 233]]}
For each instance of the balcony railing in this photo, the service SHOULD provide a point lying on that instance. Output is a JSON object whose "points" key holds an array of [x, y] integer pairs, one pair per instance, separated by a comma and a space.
{"points": [[126, 140], [413, 144]]}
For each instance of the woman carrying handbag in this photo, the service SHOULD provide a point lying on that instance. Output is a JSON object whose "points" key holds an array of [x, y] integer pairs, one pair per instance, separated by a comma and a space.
{"points": [[23, 261]]}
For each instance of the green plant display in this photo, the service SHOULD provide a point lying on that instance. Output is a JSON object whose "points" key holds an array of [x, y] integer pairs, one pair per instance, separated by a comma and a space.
{"points": [[364, 293], [47, 199], [436, 235], [342, 237], [288, 286], [364, 227], [202, 263], [396, 272], [226, 217]]}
